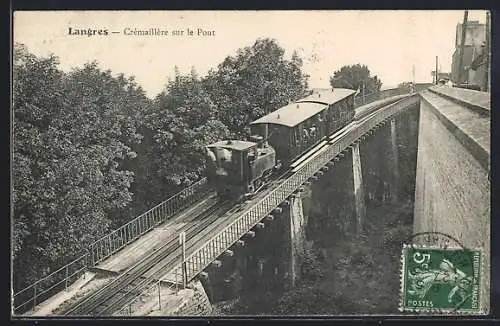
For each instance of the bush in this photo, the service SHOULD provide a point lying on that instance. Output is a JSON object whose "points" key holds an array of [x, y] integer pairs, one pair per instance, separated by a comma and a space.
{"points": [[310, 264]]}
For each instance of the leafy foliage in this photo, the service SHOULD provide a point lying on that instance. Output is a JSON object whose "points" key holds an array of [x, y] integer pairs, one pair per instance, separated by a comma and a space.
{"points": [[72, 134], [181, 122], [353, 77], [91, 151], [255, 81], [361, 273]]}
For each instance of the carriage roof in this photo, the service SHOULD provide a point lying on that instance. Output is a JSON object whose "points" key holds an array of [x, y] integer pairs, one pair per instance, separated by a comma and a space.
{"points": [[328, 96], [238, 145], [292, 114]]}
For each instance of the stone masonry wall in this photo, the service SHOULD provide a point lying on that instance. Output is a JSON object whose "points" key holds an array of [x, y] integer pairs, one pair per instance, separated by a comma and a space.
{"points": [[195, 301], [452, 186]]}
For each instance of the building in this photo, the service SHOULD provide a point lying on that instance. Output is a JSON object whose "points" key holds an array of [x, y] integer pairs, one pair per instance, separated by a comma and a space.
{"points": [[441, 75], [475, 38]]}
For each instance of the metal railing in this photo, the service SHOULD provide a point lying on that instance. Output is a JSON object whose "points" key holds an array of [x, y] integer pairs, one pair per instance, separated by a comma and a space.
{"points": [[101, 249], [131, 231], [374, 96], [128, 308], [119, 238], [49, 285], [202, 257]]}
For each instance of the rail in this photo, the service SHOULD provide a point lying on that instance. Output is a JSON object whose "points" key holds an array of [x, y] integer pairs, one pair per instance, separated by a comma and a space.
{"points": [[202, 257], [119, 238], [374, 96], [106, 246]]}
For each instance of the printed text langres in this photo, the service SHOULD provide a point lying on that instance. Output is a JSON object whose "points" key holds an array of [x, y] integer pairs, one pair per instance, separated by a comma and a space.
{"points": [[126, 31], [153, 31]]}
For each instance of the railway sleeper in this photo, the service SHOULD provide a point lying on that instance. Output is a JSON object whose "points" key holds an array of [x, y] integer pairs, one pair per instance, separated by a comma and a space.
{"points": [[130, 291]]}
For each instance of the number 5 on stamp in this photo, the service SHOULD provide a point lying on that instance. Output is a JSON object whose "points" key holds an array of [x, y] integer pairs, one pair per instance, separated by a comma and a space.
{"points": [[438, 280]]}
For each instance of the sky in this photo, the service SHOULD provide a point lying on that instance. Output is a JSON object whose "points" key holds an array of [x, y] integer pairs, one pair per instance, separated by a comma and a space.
{"points": [[388, 42]]}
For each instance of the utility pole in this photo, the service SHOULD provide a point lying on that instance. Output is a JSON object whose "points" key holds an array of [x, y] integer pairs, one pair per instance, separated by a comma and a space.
{"points": [[182, 242], [436, 71], [363, 92], [413, 78], [487, 56], [461, 69]]}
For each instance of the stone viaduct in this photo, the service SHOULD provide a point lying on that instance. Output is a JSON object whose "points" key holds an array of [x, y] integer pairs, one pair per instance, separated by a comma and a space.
{"points": [[434, 156]]}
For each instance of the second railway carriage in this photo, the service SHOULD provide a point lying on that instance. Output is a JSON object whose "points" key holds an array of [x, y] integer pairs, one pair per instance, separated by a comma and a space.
{"points": [[340, 110], [297, 127]]}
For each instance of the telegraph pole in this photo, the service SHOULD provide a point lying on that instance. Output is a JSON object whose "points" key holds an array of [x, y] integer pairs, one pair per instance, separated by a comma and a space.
{"points": [[413, 78], [363, 92], [461, 69], [436, 71], [182, 242]]}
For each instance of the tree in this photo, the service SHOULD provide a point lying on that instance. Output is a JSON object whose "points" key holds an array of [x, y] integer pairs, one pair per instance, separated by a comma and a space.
{"points": [[73, 135], [110, 111], [257, 80], [182, 121], [354, 77]]}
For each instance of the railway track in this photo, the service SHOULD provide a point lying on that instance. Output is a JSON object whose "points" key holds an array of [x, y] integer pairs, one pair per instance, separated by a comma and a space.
{"points": [[131, 282], [174, 258]]}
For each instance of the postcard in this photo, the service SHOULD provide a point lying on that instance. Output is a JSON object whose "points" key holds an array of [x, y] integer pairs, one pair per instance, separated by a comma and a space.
{"points": [[250, 163]]}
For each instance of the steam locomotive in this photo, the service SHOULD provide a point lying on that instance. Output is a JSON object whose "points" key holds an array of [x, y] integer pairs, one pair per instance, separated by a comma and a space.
{"points": [[240, 168]]}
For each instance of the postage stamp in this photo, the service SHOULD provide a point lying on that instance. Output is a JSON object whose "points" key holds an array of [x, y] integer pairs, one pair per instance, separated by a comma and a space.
{"points": [[440, 279]]}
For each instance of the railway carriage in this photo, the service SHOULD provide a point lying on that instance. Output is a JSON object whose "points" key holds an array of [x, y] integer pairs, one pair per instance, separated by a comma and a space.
{"points": [[240, 168], [297, 127], [292, 129], [340, 107]]}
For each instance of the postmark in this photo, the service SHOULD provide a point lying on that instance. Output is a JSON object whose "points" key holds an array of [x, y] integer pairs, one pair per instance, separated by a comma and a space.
{"points": [[440, 275]]}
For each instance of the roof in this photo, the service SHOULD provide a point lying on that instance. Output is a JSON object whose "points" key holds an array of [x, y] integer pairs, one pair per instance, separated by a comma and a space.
{"points": [[291, 114], [238, 145], [328, 96], [295, 113]]}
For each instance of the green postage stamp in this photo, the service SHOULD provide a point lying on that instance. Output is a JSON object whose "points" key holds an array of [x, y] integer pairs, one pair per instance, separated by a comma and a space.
{"points": [[440, 280]]}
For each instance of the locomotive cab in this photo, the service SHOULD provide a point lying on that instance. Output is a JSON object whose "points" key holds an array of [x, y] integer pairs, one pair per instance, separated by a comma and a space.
{"points": [[239, 168]]}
